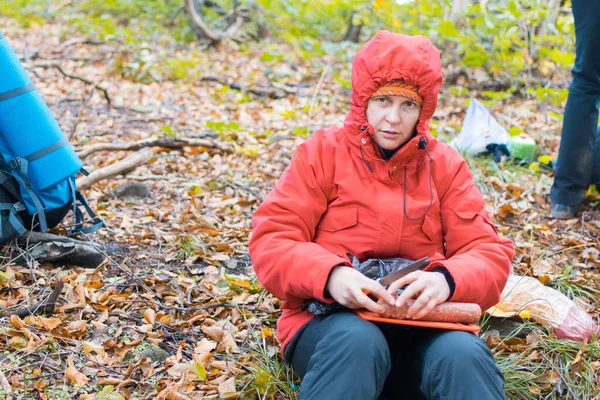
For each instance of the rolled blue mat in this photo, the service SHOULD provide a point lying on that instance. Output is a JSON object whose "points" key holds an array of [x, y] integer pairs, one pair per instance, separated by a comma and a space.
{"points": [[28, 127]]}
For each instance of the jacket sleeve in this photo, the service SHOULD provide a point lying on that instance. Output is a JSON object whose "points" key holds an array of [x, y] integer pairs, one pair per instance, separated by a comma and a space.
{"points": [[477, 257], [286, 260]]}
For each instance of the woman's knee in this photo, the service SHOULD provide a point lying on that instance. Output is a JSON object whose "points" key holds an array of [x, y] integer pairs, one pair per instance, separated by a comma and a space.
{"points": [[460, 349], [358, 337]]}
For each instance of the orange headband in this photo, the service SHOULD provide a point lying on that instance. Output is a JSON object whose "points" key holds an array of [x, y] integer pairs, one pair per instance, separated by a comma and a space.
{"points": [[399, 88]]}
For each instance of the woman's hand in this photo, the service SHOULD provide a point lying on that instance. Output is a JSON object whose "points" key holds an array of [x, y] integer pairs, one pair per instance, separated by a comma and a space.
{"points": [[428, 288], [349, 287]]}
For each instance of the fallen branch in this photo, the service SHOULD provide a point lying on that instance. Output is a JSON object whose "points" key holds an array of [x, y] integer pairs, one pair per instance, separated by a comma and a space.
{"points": [[279, 92], [168, 142], [120, 167], [75, 41], [68, 75], [47, 247], [45, 307]]}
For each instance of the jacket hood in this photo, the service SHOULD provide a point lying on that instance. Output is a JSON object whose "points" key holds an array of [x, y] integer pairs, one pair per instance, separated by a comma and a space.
{"points": [[388, 56]]}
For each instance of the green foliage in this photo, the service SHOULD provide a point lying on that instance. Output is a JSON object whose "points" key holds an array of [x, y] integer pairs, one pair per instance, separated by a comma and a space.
{"points": [[503, 38], [27, 12], [556, 96]]}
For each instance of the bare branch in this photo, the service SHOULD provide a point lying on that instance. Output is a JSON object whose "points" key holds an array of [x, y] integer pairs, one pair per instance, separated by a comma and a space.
{"points": [[197, 21], [167, 142], [120, 167], [62, 71]]}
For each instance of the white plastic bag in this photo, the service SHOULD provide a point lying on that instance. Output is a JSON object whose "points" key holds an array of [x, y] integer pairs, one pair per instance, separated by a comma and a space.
{"points": [[547, 306], [479, 129]]}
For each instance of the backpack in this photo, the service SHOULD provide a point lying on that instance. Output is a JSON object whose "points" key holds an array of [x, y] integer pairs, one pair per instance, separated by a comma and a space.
{"points": [[37, 163]]}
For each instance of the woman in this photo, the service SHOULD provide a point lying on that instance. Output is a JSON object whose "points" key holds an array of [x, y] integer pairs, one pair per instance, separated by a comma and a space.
{"points": [[381, 186]]}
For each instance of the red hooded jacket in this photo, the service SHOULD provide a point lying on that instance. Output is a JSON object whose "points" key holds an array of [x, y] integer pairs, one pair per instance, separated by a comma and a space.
{"points": [[340, 196]]}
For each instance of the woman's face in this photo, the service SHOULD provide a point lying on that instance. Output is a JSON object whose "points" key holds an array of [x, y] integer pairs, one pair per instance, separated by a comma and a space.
{"points": [[393, 118]]}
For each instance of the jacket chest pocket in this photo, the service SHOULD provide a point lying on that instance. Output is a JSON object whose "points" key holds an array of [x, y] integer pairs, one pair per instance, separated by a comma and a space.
{"points": [[336, 219], [432, 227]]}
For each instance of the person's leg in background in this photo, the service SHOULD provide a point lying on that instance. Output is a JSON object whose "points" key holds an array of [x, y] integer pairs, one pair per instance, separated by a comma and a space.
{"points": [[573, 173], [435, 364], [340, 356], [596, 168]]}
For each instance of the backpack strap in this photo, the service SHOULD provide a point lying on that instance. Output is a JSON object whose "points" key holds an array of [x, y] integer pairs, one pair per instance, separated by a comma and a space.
{"points": [[16, 92], [20, 165], [47, 150], [79, 217], [13, 210]]}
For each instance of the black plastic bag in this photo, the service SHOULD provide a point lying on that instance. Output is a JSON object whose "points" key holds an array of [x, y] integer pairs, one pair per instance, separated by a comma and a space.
{"points": [[374, 268]]}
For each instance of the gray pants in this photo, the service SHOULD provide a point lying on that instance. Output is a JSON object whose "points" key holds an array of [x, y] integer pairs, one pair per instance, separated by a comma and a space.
{"points": [[342, 356]]}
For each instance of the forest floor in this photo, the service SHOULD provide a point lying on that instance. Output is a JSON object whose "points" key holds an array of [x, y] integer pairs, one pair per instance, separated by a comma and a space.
{"points": [[175, 311]]}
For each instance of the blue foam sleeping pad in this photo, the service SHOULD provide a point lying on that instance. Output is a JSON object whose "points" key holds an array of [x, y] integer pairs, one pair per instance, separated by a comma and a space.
{"points": [[26, 127]]}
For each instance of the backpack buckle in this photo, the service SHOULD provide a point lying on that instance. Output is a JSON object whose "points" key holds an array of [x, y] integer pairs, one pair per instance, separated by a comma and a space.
{"points": [[19, 207], [15, 163]]}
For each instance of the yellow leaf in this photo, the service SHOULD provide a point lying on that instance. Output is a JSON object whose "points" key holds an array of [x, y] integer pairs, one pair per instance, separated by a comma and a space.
{"points": [[199, 370], [91, 347], [150, 316], [107, 393], [18, 342], [545, 159], [534, 167], [76, 377], [7, 275], [525, 314], [266, 332]]}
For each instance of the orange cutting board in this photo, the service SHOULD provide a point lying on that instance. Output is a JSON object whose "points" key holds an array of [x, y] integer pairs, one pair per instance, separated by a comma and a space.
{"points": [[371, 316]]}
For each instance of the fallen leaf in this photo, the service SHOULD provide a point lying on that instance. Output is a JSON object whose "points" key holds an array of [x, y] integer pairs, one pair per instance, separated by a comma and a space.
{"points": [[150, 316], [227, 388], [76, 377], [49, 323], [17, 322], [108, 393], [229, 343], [199, 370], [213, 332], [90, 347], [18, 342]]}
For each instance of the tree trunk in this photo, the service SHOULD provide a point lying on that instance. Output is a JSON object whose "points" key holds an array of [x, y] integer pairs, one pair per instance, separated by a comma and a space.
{"points": [[458, 10], [545, 25], [353, 32]]}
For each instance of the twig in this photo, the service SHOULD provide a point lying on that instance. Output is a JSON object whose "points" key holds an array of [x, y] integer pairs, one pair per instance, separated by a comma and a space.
{"points": [[45, 307], [74, 41], [68, 75], [167, 142], [520, 196], [318, 89], [238, 186], [259, 92], [80, 113], [5, 386]]}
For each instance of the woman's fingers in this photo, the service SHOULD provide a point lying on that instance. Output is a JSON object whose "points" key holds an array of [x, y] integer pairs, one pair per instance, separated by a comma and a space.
{"points": [[379, 291], [410, 292], [365, 302], [422, 306], [405, 280]]}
